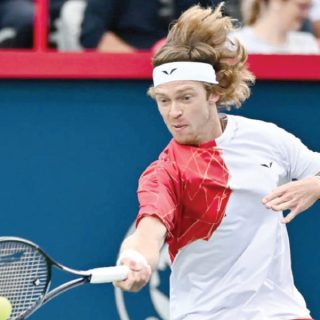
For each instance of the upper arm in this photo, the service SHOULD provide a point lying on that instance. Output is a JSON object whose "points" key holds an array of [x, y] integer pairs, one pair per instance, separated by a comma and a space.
{"points": [[159, 195], [301, 161]]}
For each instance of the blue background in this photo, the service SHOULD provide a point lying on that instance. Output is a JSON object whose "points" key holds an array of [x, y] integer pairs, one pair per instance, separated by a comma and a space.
{"points": [[71, 154]]}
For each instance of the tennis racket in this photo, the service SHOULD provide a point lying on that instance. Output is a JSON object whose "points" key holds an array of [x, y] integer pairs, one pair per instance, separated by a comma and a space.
{"points": [[25, 276]]}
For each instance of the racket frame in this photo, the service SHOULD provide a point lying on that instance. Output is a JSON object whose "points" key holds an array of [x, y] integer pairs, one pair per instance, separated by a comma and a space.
{"points": [[84, 276]]}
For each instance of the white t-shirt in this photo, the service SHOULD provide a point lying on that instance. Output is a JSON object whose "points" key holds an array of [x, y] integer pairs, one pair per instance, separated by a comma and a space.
{"points": [[314, 13], [243, 271], [298, 42]]}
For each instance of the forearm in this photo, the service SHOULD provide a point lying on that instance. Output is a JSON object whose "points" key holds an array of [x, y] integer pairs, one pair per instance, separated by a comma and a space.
{"points": [[146, 240], [110, 42], [140, 252], [150, 250]]}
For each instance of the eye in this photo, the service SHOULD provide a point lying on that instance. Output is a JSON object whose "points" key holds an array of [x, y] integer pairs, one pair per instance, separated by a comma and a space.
{"points": [[163, 100], [187, 97]]}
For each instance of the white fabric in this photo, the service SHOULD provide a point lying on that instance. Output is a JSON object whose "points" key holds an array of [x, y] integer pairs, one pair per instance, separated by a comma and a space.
{"points": [[243, 271], [297, 43], [69, 25], [7, 33], [314, 13], [186, 70]]}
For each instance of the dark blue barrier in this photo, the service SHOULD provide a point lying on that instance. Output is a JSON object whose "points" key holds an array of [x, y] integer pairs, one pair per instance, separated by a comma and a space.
{"points": [[71, 154]]}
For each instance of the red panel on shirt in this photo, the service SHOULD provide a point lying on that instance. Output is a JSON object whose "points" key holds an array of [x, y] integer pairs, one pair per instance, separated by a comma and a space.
{"points": [[187, 189]]}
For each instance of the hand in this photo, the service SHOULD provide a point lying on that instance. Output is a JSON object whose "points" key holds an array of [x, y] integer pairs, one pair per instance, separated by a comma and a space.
{"points": [[139, 275], [140, 271], [296, 196]]}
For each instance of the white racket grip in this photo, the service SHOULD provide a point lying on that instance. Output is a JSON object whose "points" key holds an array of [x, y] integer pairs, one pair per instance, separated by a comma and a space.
{"points": [[108, 274]]}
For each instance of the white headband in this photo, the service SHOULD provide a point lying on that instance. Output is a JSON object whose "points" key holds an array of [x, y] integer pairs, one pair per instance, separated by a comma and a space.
{"points": [[184, 70]]}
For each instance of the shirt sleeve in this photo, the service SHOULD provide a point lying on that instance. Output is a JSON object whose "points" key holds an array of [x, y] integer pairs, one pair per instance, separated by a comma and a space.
{"points": [[301, 162], [158, 195]]}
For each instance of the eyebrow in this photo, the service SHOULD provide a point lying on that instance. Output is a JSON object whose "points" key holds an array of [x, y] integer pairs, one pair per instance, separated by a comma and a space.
{"points": [[177, 92]]}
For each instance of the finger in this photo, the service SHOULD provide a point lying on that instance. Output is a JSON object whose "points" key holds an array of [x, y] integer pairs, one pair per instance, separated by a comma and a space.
{"points": [[290, 216], [129, 284], [276, 202], [281, 206], [279, 200], [133, 264], [273, 195], [136, 279], [123, 284]]}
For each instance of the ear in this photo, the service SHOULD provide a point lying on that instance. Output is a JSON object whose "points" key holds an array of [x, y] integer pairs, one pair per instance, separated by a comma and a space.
{"points": [[213, 98]]}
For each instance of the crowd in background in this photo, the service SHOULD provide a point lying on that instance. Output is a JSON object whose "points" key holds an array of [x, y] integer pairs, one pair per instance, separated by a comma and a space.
{"points": [[264, 26]]}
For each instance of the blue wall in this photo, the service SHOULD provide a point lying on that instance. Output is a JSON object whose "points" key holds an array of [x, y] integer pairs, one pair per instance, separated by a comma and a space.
{"points": [[71, 154]]}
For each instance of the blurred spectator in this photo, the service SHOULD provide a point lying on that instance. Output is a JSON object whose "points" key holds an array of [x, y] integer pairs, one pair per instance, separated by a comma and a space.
{"points": [[314, 16], [232, 9], [69, 25], [271, 26], [128, 25], [16, 22]]}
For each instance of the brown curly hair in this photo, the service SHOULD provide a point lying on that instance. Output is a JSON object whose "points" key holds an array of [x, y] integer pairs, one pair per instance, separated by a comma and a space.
{"points": [[201, 34], [251, 10]]}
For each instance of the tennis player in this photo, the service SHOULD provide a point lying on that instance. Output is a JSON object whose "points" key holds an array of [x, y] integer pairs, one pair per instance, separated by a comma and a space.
{"points": [[217, 192]]}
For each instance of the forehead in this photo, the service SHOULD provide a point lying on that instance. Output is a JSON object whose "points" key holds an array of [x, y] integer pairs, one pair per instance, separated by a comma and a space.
{"points": [[178, 86]]}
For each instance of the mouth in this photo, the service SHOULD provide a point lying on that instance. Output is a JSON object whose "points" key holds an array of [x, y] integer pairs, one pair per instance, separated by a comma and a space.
{"points": [[179, 127]]}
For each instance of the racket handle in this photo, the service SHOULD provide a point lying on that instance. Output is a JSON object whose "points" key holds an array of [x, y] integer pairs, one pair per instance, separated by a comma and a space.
{"points": [[108, 274]]}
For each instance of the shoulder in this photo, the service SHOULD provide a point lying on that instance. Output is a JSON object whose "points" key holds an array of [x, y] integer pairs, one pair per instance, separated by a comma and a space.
{"points": [[262, 136], [303, 42], [243, 34], [250, 40], [242, 31], [258, 130], [314, 13], [254, 124], [164, 165]]}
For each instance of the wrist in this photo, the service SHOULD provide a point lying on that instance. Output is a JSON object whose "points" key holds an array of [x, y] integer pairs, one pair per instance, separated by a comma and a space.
{"points": [[134, 255]]}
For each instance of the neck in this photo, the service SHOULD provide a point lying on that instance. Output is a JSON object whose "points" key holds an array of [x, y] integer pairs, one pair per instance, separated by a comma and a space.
{"points": [[270, 29], [218, 127]]}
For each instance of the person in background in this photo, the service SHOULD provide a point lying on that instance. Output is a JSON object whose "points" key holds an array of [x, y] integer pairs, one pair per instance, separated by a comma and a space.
{"points": [[16, 22], [129, 25], [69, 25], [314, 17], [271, 27], [217, 191]]}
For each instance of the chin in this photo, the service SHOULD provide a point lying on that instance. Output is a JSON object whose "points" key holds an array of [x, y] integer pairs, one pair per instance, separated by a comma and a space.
{"points": [[297, 26], [184, 140]]}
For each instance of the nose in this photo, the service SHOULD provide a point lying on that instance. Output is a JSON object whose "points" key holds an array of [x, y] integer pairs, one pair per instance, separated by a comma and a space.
{"points": [[175, 110]]}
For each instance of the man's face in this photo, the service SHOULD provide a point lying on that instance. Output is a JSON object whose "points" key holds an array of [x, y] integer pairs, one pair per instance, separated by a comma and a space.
{"points": [[187, 111]]}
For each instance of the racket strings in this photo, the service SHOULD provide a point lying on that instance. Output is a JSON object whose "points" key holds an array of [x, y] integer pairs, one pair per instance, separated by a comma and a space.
{"points": [[23, 276]]}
